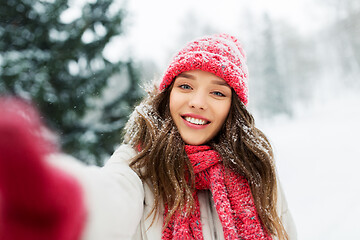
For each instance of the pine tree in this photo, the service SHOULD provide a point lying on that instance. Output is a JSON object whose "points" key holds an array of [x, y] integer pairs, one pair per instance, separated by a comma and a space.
{"points": [[61, 68], [273, 99]]}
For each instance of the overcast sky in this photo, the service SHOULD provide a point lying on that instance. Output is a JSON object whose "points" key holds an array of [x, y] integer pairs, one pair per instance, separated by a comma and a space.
{"points": [[157, 24], [154, 27]]}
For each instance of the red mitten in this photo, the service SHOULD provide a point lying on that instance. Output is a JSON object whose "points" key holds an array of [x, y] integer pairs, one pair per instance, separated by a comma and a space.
{"points": [[37, 201]]}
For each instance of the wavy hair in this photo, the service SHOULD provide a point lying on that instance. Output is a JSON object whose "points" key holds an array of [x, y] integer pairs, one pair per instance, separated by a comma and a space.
{"points": [[162, 162]]}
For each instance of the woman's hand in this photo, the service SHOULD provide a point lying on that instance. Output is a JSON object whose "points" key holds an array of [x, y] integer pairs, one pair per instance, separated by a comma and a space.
{"points": [[37, 201]]}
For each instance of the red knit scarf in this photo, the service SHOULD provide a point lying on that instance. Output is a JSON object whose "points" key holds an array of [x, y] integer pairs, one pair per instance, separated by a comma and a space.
{"points": [[232, 197]]}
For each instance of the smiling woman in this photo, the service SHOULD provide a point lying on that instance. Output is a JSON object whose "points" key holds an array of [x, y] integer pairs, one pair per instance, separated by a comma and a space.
{"points": [[210, 170], [192, 165]]}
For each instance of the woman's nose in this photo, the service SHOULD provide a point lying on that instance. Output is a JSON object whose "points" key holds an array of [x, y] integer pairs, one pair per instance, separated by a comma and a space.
{"points": [[198, 100]]}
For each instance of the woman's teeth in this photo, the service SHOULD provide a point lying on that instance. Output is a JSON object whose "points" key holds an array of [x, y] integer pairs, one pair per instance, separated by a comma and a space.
{"points": [[195, 121]]}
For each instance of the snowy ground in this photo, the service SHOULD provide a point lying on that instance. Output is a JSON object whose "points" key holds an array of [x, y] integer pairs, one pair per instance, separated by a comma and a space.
{"points": [[318, 160]]}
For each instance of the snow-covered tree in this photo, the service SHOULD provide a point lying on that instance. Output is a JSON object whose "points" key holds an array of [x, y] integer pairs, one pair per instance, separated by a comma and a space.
{"points": [[59, 65], [272, 98]]}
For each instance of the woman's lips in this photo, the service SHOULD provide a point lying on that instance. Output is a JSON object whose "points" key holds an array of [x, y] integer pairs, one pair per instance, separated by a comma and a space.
{"points": [[195, 121]]}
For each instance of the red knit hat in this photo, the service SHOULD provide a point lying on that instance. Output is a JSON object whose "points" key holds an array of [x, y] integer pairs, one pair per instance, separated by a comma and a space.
{"points": [[219, 54]]}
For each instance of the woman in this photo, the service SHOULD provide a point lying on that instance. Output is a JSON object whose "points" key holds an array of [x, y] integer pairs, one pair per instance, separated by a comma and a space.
{"points": [[192, 165]]}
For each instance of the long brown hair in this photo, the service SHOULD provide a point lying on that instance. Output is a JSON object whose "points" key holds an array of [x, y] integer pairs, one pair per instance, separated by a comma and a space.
{"points": [[162, 162]]}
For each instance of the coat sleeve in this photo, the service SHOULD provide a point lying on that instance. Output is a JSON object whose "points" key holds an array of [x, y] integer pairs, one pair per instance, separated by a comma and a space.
{"points": [[114, 195], [285, 214]]}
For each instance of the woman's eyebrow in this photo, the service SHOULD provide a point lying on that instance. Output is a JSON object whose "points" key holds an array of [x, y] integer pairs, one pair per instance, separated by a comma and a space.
{"points": [[186, 75], [219, 82], [192, 77]]}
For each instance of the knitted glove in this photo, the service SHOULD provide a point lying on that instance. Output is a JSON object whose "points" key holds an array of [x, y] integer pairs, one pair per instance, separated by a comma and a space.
{"points": [[37, 201]]}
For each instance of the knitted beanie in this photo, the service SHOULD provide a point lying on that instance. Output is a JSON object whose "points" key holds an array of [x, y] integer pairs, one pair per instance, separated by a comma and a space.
{"points": [[219, 54]]}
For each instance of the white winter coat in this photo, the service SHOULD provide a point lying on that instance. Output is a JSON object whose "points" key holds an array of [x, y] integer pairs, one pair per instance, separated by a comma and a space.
{"points": [[118, 202]]}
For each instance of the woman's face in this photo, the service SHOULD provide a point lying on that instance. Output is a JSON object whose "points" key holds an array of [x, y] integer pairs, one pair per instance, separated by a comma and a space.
{"points": [[199, 105]]}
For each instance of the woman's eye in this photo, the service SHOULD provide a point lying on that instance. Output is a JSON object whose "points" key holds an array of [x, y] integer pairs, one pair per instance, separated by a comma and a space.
{"points": [[185, 86], [219, 94]]}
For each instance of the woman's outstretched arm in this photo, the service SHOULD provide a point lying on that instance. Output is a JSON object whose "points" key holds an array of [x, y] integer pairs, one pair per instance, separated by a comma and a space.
{"points": [[37, 201], [45, 194]]}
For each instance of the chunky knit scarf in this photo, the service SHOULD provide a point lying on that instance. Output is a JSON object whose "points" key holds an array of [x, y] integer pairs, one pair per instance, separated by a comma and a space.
{"points": [[232, 197]]}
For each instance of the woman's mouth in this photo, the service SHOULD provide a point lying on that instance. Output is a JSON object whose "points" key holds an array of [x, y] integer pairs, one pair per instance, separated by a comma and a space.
{"points": [[196, 121]]}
